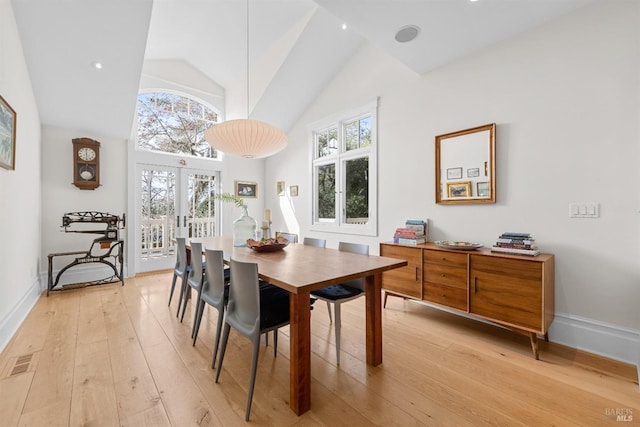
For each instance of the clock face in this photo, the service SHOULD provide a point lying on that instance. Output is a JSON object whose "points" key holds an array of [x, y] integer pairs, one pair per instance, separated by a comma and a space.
{"points": [[87, 154]]}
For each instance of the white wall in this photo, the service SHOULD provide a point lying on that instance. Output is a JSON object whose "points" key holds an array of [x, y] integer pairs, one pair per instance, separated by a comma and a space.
{"points": [[20, 188], [60, 196], [565, 100]]}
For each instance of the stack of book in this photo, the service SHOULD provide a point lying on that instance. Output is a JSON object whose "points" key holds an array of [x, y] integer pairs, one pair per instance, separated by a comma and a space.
{"points": [[516, 243], [414, 232]]}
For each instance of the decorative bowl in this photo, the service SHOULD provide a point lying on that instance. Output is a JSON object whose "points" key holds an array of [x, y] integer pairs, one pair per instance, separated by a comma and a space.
{"points": [[268, 245], [461, 246]]}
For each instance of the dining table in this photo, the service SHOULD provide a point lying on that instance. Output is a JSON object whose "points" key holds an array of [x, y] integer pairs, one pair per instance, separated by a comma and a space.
{"points": [[300, 269]]}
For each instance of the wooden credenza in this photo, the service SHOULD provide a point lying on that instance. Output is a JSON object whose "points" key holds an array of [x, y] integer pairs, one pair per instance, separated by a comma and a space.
{"points": [[515, 291]]}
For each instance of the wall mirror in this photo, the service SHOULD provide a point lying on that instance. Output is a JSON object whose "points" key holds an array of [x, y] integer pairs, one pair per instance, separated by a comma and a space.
{"points": [[466, 166]]}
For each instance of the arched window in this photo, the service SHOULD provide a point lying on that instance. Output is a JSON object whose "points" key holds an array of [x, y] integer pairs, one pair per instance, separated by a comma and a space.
{"points": [[176, 124]]}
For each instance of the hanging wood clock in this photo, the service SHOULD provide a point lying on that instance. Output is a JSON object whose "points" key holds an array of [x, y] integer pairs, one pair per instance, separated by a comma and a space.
{"points": [[86, 163]]}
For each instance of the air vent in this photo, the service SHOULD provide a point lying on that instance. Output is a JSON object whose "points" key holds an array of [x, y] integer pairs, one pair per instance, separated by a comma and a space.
{"points": [[22, 364]]}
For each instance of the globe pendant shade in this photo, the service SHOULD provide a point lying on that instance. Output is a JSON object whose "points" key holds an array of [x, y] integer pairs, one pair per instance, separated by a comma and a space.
{"points": [[246, 138]]}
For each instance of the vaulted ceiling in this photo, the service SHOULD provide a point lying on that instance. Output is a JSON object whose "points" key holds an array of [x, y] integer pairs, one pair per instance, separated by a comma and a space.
{"points": [[295, 47]]}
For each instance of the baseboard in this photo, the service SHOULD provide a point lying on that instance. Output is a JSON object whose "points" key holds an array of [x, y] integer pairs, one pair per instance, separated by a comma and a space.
{"points": [[11, 322], [611, 341]]}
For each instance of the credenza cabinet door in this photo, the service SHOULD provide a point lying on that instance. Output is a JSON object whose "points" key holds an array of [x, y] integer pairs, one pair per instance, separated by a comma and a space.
{"points": [[406, 281], [507, 290]]}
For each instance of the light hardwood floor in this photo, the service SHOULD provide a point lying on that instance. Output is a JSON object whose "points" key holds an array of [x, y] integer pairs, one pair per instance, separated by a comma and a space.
{"points": [[116, 355]]}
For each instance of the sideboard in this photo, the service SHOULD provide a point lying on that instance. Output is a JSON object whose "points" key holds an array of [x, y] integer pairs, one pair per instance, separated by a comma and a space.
{"points": [[515, 291]]}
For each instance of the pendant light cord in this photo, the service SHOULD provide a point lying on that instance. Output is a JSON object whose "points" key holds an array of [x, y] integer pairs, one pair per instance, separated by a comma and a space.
{"points": [[247, 59]]}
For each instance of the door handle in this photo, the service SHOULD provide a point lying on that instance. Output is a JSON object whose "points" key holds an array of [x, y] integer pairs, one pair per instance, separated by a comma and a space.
{"points": [[185, 221], [178, 221], [475, 285]]}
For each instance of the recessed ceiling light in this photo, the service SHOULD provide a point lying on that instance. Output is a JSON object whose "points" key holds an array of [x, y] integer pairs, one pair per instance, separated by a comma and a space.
{"points": [[97, 65], [344, 26], [407, 33]]}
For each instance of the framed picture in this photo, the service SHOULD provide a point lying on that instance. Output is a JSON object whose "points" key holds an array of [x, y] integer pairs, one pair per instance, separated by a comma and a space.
{"points": [[246, 189], [459, 189], [280, 188], [293, 190], [454, 173], [7, 135], [483, 189], [472, 173]]}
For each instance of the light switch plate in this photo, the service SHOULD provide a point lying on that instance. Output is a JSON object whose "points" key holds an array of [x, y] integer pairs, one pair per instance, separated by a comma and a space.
{"points": [[584, 210]]}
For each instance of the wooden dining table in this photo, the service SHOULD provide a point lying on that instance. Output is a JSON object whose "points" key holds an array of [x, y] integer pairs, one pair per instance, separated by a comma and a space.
{"points": [[300, 269]]}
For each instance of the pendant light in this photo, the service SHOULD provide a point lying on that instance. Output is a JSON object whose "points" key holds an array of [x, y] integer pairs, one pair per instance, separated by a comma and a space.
{"points": [[245, 137]]}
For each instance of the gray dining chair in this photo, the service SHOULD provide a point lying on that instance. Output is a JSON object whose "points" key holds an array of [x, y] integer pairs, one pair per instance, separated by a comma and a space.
{"points": [[342, 292], [254, 308], [291, 237], [181, 268], [312, 241], [215, 292], [194, 280]]}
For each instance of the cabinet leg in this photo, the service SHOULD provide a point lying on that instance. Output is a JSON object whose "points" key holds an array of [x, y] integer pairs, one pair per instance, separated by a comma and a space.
{"points": [[534, 344], [386, 294], [546, 337]]}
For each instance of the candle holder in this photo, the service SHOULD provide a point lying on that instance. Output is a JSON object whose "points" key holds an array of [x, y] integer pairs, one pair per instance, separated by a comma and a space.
{"points": [[266, 229]]}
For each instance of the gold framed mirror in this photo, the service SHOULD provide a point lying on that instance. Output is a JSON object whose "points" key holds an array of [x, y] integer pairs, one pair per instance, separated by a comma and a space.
{"points": [[466, 166]]}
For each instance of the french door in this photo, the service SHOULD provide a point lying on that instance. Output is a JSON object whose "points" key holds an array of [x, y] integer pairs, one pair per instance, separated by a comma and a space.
{"points": [[172, 202]]}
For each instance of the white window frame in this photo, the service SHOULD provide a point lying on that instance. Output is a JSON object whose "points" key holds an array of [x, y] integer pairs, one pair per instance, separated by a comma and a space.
{"points": [[339, 225]]}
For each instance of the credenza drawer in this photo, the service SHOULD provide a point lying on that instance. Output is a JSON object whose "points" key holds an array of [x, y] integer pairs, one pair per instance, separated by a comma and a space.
{"points": [[444, 275], [445, 258], [445, 295]]}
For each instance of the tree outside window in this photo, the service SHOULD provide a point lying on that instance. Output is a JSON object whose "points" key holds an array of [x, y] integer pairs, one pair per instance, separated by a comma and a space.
{"points": [[172, 123]]}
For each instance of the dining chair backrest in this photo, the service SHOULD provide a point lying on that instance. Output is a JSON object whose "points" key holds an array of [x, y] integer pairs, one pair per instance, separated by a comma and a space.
{"points": [[291, 237], [180, 270], [196, 273], [243, 309], [213, 284], [312, 241], [358, 248], [181, 254]]}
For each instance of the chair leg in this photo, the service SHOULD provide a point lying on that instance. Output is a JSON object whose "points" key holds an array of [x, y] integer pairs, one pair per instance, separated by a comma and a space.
{"points": [[182, 291], [198, 319], [329, 310], [225, 338], [252, 383], [173, 287], [217, 339], [198, 306], [185, 299], [337, 327]]}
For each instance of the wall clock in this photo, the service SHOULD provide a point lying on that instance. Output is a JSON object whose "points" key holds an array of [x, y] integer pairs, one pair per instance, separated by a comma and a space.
{"points": [[86, 163]]}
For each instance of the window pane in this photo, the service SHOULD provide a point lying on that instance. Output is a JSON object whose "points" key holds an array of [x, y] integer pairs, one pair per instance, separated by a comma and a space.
{"points": [[327, 192], [174, 124], [365, 132], [351, 135], [201, 193], [327, 142], [357, 190]]}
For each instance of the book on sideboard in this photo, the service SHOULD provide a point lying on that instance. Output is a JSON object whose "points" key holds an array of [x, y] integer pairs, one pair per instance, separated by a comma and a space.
{"points": [[405, 241], [532, 252]]}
